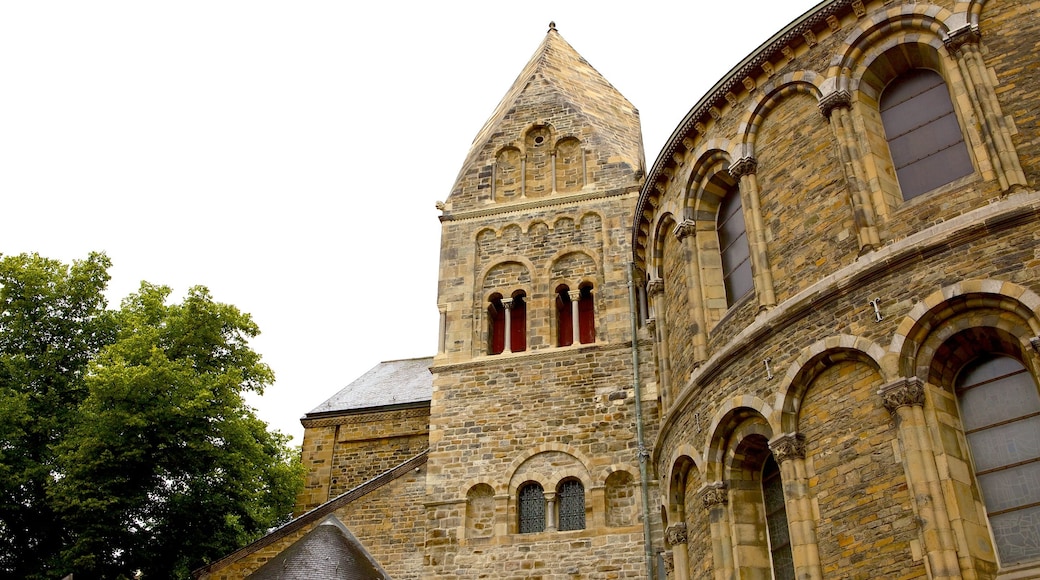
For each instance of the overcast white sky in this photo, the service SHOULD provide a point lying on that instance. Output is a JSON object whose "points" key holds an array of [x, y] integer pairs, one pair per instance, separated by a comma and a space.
{"points": [[288, 155]]}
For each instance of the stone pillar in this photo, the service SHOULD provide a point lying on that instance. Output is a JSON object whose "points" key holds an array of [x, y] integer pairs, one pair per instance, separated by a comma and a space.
{"points": [[675, 536], [963, 44], [835, 106], [655, 289], [744, 169], [789, 452], [715, 498], [507, 342], [550, 511], [442, 311], [905, 399], [575, 296], [686, 233]]}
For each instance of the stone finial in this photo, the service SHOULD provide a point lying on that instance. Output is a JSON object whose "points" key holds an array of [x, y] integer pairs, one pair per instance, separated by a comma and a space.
{"points": [[789, 446], [836, 100], [905, 392], [552, 26], [714, 495], [676, 534], [684, 229]]}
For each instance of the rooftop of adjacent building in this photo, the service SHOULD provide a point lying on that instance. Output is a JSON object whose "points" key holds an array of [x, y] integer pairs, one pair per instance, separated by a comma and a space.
{"points": [[388, 384]]}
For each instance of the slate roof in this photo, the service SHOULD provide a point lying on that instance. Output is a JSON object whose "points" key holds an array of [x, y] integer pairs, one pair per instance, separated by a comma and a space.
{"points": [[327, 552], [388, 384]]}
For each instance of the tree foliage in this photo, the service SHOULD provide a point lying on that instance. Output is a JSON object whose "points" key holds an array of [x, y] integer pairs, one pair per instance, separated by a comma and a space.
{"points": [[126, 442]]}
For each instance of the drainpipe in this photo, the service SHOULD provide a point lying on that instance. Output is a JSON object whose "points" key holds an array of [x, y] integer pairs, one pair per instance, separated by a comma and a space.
{"points": [[643, 453]]}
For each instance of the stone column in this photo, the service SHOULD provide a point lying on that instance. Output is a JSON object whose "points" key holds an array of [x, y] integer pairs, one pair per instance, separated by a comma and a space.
{"points": [[686, 233], [905, 399], [744, 169], [550, 511], [963, 44], [675, 536], [835, 106], [575, 296], [655, 289], [715, 497], [442, 312], [789, 452], [507, 342]]}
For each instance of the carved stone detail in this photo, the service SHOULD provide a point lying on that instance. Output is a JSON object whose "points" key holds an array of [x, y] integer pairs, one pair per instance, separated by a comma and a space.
{"points": [[810, 38], [684, 229], [676, 534], [789, 446], [1035, 343], [715, 113], [906, 392], [749, 83], [715, 495], [837, 100], [732, 99], [966, 34], [669, 564], [654, 286], [743, 166], [767, 67], [788, 52], [700, 127], [859, 8], [651, 325], [834, 23]]}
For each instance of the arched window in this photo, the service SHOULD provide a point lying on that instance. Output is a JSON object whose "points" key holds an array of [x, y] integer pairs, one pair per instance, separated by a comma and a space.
{"points": [[733, 245], [776, 520], [924, 136], [564, 317], [586, 316], [496, 324], [531, 503], [518, 322], [1000, 412], [570, 497]]}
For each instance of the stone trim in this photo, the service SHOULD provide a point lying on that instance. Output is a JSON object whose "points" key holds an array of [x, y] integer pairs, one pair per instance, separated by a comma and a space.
{"points": [[560, 199], [358, 418], [904, 392], [548, 352]]}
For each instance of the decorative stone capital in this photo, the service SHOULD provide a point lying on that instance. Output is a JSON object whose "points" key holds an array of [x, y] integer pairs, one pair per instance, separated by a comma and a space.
{"points": [[1035, 343], [836, 100], [684, 229], [963, 36], [714, 495], [675, 534], [743, 166], [575, 295], [651, 325], [507, 303], [905, 392], [655, 286], [789, 446]]}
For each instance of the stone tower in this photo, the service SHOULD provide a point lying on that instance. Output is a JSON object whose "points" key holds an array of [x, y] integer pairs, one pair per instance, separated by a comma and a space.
{"points": [[534, 460]]}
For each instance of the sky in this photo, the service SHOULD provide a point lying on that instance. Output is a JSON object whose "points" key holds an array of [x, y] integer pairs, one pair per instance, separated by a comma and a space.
{"points": [[289, 155]]}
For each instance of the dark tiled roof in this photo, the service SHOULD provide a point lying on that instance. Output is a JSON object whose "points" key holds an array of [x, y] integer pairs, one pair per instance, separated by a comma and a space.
{"points": [[327, 552], [389, 383]]}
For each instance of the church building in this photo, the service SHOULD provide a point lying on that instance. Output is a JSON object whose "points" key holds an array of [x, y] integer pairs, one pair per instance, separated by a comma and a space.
{"points": [[803, 343]]}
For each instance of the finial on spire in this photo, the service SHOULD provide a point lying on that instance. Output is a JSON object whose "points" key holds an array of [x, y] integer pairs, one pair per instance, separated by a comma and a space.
{"points": [[552, 26]]}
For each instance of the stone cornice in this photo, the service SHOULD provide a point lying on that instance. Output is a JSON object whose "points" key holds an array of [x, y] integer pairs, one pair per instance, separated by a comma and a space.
{"points": [[556, 351], [557, 200]]}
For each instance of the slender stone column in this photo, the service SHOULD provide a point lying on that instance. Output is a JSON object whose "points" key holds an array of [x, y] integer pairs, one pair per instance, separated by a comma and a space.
{"points": [[905, 399], [789, 452], [575, 296], [686, 233], [507, 304], [675, 536], [715, 497], [550, 511], [744, 169], [655, 289], [963, 44], [835, 107]]}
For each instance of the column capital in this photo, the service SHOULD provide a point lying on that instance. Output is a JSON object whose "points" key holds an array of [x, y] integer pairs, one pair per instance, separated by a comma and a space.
{"points": [[840, 99], [575, 295], [651, 324], [788, 446], [686, 228], [743, 166], [714, 495], [968, 34], [654, 286], [507, 303], [903, 392], [675, 534]]}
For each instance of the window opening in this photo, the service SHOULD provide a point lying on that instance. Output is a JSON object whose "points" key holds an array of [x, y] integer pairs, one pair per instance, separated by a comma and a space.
{"points": [[586, 316], [1000, 412], [736, 256], [571, 498], [532, 508], [924, 136], [776, 521], [518, 323], [496, 325], [564, 320]]}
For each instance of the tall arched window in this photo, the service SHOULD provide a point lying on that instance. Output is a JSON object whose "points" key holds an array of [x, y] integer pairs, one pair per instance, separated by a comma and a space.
{"points": [[531, 504], [496, 324], [518, 322], [924, 136], [776, 520], [1000, 412], [586, 316], [571, 500], [733, 245]]}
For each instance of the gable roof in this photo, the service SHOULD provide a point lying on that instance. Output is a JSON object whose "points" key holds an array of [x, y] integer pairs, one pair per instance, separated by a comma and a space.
{"points": [[388, 384]]}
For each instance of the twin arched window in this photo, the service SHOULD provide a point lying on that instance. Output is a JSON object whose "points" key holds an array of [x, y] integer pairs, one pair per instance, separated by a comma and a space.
{"points": [[575, 316], [507, 319], [567, 510], [507, 323]]}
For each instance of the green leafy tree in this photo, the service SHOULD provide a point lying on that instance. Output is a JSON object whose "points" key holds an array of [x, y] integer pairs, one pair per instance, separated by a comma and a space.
{"points": [[52, 323], [153, 462]]}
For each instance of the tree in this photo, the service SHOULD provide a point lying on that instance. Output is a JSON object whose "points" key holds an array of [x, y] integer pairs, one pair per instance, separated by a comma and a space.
{"points": [[158, 465]]}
